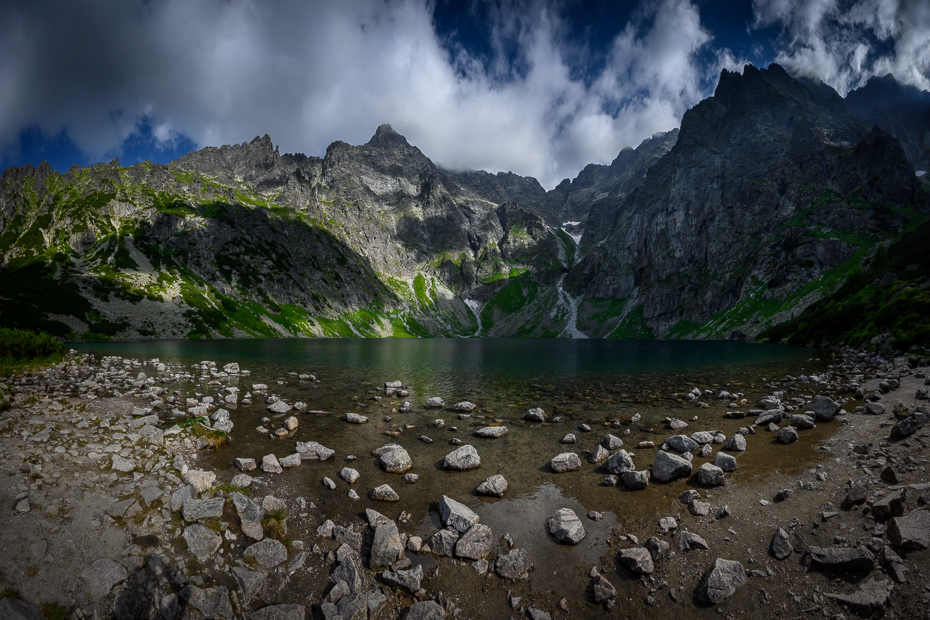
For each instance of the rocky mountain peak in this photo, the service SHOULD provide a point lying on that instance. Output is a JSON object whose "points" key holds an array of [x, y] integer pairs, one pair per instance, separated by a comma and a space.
{"points": [[386, 137]]}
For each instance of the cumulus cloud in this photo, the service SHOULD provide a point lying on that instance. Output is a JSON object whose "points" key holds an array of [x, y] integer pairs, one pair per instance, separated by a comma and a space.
{"points": [[309, 73], [845, 42]]}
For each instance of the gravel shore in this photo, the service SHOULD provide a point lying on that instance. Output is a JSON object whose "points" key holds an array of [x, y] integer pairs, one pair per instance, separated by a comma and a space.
{"points": [[110, 511]]}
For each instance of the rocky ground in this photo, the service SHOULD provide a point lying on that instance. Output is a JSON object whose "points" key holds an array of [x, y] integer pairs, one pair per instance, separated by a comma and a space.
{"points": [[110, 513]]}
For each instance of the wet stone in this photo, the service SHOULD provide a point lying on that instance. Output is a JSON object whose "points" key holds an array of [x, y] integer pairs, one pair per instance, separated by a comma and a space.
{"points": [[443, 542], [270, 464], [386, 547], [710, 475], [535, 415], [788, 434], [462, 459], [349, 475], [567, 461], [456, 514], [475, 543], [494, 486], [514, 566], [726, 462], [566, 527], [384, 493], [396, 461], [638, 560], [668, 467], [636, 480], [492, 432]]}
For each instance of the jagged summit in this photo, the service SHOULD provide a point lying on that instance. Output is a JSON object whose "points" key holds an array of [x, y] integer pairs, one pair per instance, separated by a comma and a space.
{"points": [[386, 137]]}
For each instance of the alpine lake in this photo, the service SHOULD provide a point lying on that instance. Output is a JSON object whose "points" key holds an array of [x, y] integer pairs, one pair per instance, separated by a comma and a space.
{"points": [[600, 383]]}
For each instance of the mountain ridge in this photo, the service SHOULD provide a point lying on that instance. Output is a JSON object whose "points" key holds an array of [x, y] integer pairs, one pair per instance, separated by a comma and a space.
{"points": [[769, 193]]}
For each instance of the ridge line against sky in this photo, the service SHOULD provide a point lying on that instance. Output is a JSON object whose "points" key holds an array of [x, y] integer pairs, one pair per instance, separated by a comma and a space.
{"points": [[540, 88]]}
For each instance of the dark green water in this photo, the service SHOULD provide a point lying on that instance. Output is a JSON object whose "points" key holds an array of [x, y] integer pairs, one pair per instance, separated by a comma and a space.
{"points": [[457, 364]]}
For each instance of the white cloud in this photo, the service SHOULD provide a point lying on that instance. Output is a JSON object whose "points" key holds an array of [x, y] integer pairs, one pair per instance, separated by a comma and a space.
{"points": [[845, 43], [309, 73]]}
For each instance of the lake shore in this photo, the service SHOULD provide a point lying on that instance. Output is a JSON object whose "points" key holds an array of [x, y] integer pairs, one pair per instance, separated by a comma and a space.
{"points": [[97, 520]]}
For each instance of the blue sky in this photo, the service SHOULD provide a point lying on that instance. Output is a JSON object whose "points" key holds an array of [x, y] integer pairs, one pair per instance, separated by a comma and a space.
{"points": [[537, 87]]}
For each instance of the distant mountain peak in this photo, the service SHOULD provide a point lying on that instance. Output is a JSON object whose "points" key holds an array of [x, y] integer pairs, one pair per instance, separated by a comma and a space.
{"points": [[386, 137]]}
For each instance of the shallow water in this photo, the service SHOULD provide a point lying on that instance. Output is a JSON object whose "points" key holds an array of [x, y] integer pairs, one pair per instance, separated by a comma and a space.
{"points": [[581, 381]]}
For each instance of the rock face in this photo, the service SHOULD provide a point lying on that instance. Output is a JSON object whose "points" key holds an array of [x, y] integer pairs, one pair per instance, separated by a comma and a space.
{"points": [[18, 609], [721, 581], [462, 459], [668, 467], [211, 602], [100, 577], [218, 209], [566, 527]]}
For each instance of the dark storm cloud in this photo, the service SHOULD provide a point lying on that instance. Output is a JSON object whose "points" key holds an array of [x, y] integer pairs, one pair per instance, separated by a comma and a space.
{"points": [[309, 73]]}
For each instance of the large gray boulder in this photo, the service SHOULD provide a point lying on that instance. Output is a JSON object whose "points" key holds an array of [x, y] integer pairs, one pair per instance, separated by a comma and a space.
{"points": [[638, 560], [566, 527], [891, 505], [912, 531], [386, 547], [869, 601], [456, 514], [802, 421], [721, 581], [396, 461], [726, 462], [619, 462], [710, 475], [567, 461], [475, 543], [907, 426], [781, 544], [859, 559], [251, 583], [514, 566], [100, 577], [823, 407], [408, 580], [736, 443], [668, 467], [313, 451], [268, 552], [636, 480], [443, 542], [492, 432], [494, 486], [211, 602], [425, 610], [681, 443], [250, 515], [462, 459], [197, 509], [202, 541]]}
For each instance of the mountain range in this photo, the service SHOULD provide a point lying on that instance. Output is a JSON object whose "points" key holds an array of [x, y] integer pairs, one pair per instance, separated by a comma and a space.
{"points": [[773, 193]]}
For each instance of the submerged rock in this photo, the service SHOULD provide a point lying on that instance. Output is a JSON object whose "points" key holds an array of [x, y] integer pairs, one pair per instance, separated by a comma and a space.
{"points": [[566, 527]]}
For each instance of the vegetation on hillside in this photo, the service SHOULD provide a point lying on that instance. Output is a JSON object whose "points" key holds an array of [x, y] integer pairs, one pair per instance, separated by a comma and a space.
{"points": [[890, 294]]}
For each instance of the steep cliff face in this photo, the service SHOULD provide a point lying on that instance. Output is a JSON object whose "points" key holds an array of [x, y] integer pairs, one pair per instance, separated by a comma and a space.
{"points": [[771, 192], [769, 189], [901, 110]]}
